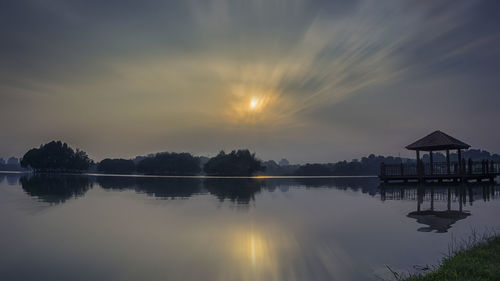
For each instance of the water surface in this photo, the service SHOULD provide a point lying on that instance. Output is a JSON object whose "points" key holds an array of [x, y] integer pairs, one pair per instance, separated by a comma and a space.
{"points": [[145, 228]]}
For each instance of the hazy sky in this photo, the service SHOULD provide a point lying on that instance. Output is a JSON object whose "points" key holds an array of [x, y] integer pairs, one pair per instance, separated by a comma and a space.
{"points": [[306, 80]]}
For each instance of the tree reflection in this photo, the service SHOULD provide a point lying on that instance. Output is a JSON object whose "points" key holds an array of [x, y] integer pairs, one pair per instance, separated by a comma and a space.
{"points": [[369, 185], [12, 179], [116, 183], [241, 190], [55, 189], [163, 188], [169, 187], [237, 190]]}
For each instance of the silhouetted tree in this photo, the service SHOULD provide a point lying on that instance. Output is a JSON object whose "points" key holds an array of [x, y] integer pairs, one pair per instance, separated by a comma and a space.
{"points": [[284, 162], [118, 166], [165, 163], [367, 166], [10, 166], [474, 154], [313, 170], [56, 156], [13, 161], [236, 163]]}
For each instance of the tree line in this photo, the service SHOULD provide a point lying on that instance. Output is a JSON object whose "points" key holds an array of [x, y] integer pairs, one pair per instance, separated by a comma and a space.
{"points": [[12, 164], [369, 165], [57, 156]]}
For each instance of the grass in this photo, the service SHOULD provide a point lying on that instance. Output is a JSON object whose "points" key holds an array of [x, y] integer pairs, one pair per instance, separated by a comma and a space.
{"points": [[477, 258]]}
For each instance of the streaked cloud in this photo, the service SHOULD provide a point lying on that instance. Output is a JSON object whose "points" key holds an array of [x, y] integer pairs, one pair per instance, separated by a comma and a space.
{"points": [[157, 75]]}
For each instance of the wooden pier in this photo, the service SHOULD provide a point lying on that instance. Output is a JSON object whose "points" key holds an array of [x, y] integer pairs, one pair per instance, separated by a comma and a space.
{"points": [[471, 170], [458, 171]]}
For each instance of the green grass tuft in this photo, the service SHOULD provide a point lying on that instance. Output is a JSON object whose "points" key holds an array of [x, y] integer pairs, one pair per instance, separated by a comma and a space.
{"points": [[479, 262]]}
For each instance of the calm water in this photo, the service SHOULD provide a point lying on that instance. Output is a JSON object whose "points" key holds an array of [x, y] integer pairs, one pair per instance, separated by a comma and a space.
{"points": [[136, 228]]}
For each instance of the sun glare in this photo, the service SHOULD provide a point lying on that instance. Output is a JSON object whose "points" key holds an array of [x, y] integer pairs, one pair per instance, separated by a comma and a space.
{"points": [[254, 103]]}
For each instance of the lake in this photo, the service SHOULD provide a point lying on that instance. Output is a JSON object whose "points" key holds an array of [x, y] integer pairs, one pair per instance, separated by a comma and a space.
{"points": [[88, 227]]}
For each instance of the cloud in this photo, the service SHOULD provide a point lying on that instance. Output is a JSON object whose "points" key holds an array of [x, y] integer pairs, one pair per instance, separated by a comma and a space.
{"points": [[104, 71]]}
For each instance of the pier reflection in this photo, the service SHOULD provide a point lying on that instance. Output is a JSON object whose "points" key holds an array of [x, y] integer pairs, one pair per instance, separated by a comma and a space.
{"points": [[427, 197]]}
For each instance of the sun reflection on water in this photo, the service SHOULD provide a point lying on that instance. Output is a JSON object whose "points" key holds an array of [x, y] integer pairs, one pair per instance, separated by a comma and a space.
{"points": [[255, 255], [273, 253]]}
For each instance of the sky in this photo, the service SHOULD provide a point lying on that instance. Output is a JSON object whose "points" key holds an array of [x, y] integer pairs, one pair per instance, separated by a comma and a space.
{"points": [[310, 81]]}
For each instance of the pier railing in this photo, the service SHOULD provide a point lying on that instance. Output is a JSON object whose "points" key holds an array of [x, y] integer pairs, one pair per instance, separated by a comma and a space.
{"points": [[467, 168]]}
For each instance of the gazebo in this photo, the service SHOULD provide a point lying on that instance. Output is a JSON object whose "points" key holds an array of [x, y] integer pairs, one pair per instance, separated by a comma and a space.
{"points": [[438, 141], [460, 170]]}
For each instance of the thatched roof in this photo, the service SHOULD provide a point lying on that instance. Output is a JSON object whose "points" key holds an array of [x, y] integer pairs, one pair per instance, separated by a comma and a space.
{"points": [[437, 141]]}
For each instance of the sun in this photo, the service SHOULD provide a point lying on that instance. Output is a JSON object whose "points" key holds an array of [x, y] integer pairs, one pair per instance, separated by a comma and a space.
{"points": [[252, 106], [254, 103]]}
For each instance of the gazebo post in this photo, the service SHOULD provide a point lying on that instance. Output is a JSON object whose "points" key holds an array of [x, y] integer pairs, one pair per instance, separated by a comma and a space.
{"points": [[418, 164], [448, 161], [459, 152], [431, 162]]}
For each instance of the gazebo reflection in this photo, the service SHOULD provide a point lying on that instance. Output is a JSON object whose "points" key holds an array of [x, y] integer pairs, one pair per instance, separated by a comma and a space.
{"points": [[437, 221], [434, 218]]}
